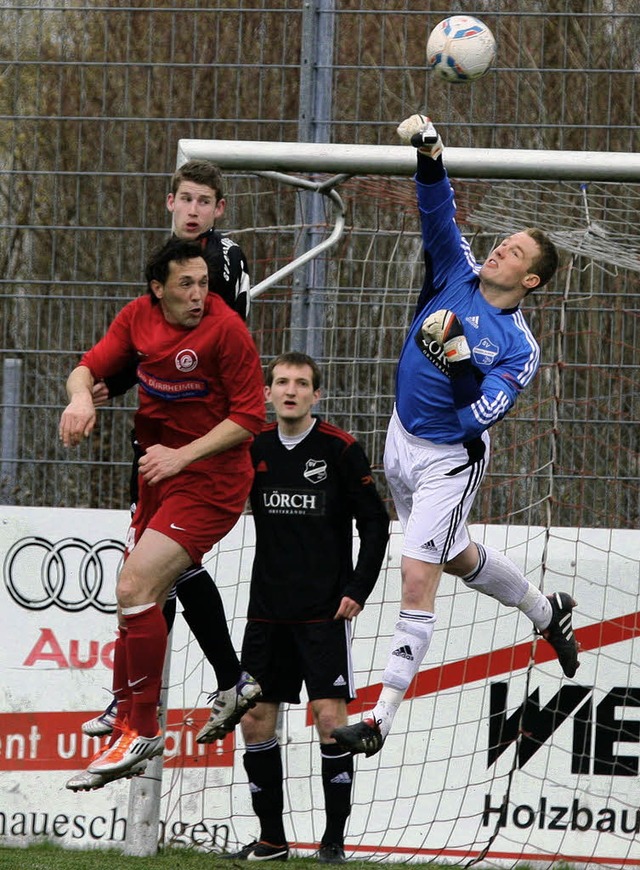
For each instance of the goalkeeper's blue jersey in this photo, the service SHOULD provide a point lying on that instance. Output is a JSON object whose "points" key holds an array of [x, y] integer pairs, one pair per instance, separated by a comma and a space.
{"points": [[503, 350]]}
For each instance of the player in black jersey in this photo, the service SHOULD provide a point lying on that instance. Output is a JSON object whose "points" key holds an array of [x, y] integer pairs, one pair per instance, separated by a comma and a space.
{"points": [[312, 480], [196, 201]]}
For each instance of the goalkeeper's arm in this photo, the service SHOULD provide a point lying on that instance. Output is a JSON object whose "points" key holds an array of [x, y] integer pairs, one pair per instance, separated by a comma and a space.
{"points": [[418, 130]]}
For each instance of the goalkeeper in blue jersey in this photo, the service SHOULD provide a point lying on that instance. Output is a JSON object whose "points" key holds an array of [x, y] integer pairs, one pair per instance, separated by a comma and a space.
{"points": [[468, 355]]}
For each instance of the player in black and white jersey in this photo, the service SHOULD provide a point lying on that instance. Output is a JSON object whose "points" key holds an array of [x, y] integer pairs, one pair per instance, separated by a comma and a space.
{"points": [[311, 481], [196, 202]]}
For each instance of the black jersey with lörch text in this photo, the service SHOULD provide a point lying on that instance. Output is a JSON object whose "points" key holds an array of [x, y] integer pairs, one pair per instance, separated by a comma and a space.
{"points": [[304, 501]]}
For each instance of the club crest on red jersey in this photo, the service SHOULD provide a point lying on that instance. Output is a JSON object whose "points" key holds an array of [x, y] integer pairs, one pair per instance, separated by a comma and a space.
{"points": [[186, 360]]}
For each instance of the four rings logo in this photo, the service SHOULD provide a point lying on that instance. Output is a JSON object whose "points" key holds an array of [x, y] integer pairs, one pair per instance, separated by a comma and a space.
{"points": [[70, 574]]}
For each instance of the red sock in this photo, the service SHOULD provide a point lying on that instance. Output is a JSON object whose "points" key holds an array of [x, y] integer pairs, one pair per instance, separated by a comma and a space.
{"points": [[146, 646]]}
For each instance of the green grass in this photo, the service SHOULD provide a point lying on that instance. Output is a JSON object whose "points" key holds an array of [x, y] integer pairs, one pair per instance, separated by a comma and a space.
{"points": [[51, 857]]}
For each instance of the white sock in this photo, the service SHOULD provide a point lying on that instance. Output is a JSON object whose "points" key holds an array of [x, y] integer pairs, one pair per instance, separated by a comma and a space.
{"points": [[498, 577], [411, 639], [137, 608]]}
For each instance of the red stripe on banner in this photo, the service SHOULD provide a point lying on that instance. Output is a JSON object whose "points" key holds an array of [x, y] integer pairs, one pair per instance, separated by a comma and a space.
{"points": [[501, 661], [520, 855], [53, 741]]}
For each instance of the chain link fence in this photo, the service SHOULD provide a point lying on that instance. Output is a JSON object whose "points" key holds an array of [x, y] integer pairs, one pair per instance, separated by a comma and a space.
{"points": [[94, 99]]}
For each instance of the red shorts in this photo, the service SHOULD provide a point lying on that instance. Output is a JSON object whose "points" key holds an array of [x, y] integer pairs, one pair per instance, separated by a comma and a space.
{"points": [[196, 510]]}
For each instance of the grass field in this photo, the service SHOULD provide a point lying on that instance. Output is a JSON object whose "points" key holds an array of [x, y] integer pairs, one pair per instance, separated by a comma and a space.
{"points": [[50, 857]]}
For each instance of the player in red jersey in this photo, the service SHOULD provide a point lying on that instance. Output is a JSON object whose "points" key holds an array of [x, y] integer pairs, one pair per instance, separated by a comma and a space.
{"points": [[196, 202], [200, 403]]}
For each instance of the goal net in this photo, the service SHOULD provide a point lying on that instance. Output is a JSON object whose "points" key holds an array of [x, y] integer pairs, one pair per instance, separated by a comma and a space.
{"points": [[493, 756]]}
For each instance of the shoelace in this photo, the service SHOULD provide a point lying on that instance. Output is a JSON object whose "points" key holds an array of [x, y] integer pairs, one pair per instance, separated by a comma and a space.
{"points": [[122, 735]]}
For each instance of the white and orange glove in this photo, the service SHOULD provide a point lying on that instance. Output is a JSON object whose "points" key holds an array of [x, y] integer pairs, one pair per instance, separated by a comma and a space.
{"points": [[420, 132], [445, 329]]}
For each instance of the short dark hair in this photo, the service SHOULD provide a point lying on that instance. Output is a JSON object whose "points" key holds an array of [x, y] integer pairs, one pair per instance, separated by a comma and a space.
{"points": [[174, 250], [295, 358], [546, 263], [199, 172]]}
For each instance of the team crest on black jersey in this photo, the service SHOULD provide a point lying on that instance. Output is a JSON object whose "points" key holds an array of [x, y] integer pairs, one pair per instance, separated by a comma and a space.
{"points": [[186, 360], [433, 352], [485, 352], [315, 470]]}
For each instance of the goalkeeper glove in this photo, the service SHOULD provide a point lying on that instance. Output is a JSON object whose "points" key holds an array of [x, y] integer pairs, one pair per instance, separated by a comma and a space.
{"points": [[445, 329], [420, 132]]}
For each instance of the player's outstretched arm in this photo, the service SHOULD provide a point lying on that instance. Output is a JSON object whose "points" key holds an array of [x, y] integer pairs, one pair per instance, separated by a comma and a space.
{"points": [[418, 130]]}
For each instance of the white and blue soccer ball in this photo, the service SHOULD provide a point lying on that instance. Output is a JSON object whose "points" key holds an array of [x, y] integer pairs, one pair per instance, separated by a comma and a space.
{"points": [[460, 48]]}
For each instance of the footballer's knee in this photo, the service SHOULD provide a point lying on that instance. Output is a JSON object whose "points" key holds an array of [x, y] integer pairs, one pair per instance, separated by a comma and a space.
{"points": [[258, 724], [465, 562], [131, 591], [420, 582], [328, 714]]}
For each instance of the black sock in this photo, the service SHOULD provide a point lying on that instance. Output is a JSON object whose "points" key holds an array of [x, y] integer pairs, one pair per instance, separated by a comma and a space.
{"points": [[263, 764], [205, 616], [337, 780], [169, 612]]}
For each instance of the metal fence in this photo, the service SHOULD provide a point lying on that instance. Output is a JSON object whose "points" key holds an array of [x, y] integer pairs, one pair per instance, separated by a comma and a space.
{"points": [[94, 99]]}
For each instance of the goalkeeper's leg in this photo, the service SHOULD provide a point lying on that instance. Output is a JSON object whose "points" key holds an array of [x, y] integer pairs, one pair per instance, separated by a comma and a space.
{"points": [[493, 574], [411, 640], [419, 477]]}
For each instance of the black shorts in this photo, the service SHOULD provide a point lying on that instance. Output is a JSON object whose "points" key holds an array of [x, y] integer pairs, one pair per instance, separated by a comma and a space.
{"points": [[284, 656]]}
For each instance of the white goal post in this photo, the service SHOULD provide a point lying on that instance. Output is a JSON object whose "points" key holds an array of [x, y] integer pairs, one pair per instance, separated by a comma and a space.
{"points": [[277, 160], [504, 163]]}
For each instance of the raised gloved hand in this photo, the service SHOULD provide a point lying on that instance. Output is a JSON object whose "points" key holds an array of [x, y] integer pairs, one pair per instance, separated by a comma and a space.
{"points": [[445, 329], [420, 132]]}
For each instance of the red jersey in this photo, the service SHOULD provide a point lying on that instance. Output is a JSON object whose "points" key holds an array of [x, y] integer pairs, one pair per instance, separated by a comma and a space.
{"points": [[189, 379]]}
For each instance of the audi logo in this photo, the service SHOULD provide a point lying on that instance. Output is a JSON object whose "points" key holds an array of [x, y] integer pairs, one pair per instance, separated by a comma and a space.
{"points": [[69, 574]]}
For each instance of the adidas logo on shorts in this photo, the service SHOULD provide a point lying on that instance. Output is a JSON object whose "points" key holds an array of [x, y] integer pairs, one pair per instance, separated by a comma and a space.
{"points": [[428, 545], [340, 681]]}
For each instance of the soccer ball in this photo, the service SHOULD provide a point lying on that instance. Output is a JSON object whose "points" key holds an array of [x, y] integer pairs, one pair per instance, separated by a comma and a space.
{"points": [[460, 49]]}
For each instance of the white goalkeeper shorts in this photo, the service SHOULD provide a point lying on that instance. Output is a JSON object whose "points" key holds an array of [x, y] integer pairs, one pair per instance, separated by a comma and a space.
{"points": [[433, 488]]}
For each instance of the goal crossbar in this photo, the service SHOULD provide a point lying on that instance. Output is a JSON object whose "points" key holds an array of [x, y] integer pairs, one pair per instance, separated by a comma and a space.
{"points": [[499, 163]]}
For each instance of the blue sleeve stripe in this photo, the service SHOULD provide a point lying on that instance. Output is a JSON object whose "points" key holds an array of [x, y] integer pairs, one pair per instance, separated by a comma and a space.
{"points": [[471, 260], [487, 413], [531, 366]]}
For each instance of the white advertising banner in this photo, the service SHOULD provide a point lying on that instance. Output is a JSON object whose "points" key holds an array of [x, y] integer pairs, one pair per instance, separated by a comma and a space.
{"points": [[493, 755]]}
